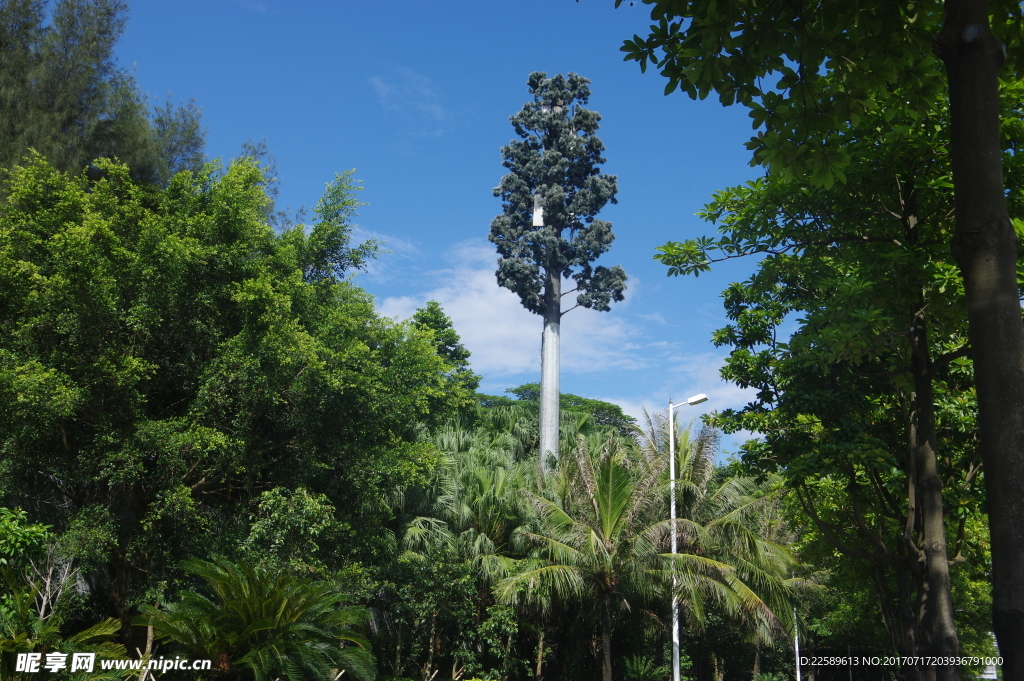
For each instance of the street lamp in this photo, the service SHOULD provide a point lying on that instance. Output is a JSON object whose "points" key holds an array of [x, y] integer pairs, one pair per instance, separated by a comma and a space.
{"points": [[696, 399]]}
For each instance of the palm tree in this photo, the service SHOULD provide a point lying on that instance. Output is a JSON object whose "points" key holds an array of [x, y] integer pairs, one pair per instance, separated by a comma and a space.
{"points": [[265, 625], [600, 538], [733, 519], [462, 517]]}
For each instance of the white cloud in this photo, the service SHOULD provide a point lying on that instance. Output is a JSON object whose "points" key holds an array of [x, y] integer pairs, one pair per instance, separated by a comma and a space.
{"points": [[656, 317], [700, 374], [680, 376], [413, 96], [398, 254], [503, 337], [623, 357]]}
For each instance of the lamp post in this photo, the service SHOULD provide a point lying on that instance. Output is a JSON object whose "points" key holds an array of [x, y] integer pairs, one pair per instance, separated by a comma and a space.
{"points": [[696, 399]]}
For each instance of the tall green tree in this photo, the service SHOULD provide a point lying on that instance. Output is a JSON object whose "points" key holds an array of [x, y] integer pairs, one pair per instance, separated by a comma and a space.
{"points": [[877, 372], [547, 231], [167, 357], [837, 63], [63, 94]]}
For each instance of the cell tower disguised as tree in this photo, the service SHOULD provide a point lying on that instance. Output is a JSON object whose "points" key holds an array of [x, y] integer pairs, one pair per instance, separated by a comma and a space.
{"points": [[547, 231]]}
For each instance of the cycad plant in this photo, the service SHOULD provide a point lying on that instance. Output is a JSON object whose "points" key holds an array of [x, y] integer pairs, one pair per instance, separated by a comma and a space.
{"points": [[265, 625]]}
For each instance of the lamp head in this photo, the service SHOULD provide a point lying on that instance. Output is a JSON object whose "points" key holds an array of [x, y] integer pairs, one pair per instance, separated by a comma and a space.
{"points": [[697, 399]]}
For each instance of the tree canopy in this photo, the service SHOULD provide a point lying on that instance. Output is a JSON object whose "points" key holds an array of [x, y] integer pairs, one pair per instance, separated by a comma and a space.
{"points": [[167, 356], [810, 73], [62, 94], [842, 67], [558, 160]]}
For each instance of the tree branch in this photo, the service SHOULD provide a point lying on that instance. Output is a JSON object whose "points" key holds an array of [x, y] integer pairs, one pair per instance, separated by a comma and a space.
{"points": [[943, 360], [827, 529], [562, 314], [862, 525]]}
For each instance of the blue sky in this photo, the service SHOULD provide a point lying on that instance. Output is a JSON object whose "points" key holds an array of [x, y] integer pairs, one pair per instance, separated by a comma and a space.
{"points": [[416, 97]]}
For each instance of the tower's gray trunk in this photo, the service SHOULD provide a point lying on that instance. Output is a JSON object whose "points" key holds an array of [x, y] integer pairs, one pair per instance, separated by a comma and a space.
{"points": [[549, 363]]}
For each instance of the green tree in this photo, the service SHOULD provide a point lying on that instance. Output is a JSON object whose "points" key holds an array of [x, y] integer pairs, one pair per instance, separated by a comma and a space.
{"points": [[868, 398], [19, 539], [62, 94], [293, 530], [449, 345], [547, 230], [841, 64], [600, 413], [455, 535], [263, 625], [167, 357]]}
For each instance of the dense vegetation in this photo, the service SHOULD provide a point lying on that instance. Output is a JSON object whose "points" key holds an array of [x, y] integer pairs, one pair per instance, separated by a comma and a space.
{"points": [[834, 87], [212, 447]]}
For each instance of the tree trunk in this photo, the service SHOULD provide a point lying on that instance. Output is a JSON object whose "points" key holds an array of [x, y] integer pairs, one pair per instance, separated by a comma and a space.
{"points": [[397, 667], [549, 363], [938, 626], [539, 671], [717, 672], [606, 642], [428, 668], [908, 622], [120, 569], [985, 248]]}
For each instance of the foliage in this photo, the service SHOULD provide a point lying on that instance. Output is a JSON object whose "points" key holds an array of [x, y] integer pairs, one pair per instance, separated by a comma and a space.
{"points": [[599, 544], [24, 628], [644, 669], [265, 625], [293, 530], [326, 253], [843, 68], [19, 539], [427, 609], [809, 73], [167, 357], [434, 601], [862, 277], [600, 412], [556, 160], [63, 95], [449, 346]]}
